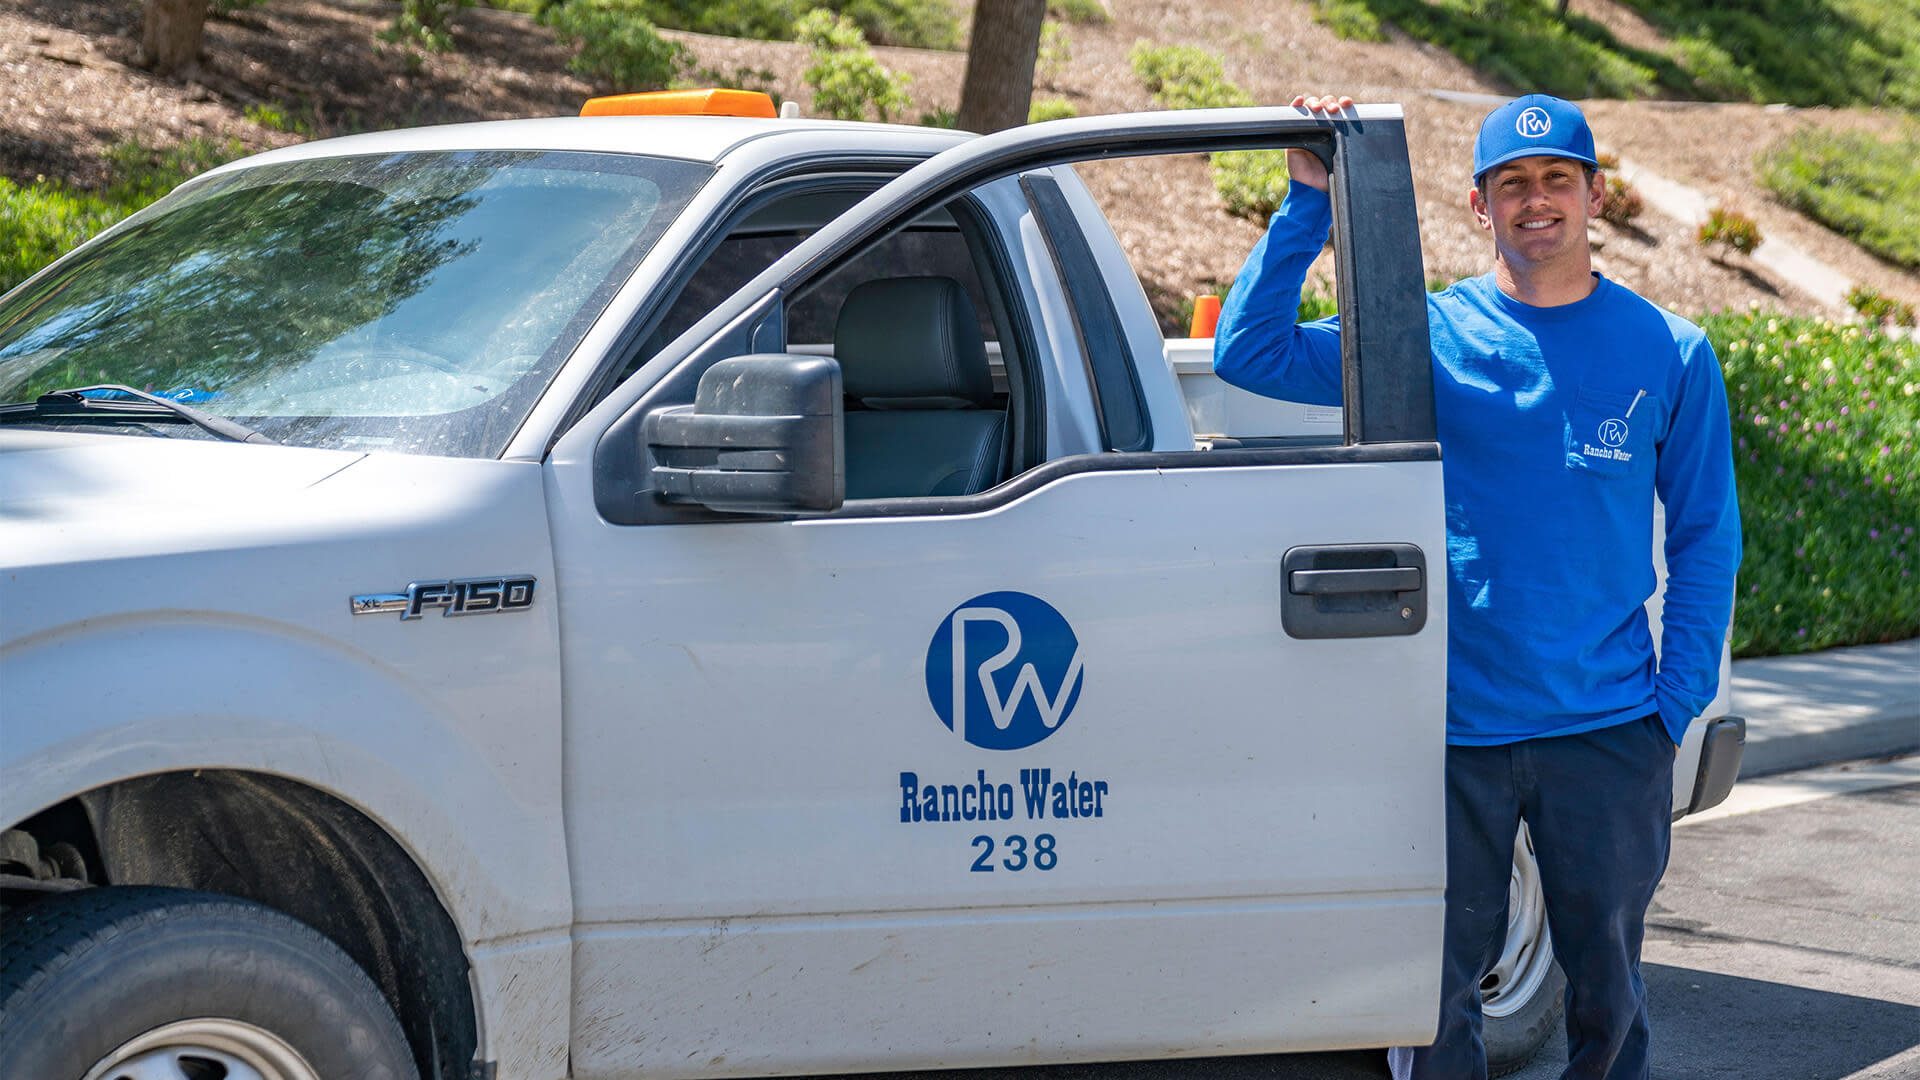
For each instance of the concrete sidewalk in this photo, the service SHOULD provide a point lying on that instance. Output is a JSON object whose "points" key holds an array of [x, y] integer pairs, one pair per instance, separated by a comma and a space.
{"points": [[1816, 708]]}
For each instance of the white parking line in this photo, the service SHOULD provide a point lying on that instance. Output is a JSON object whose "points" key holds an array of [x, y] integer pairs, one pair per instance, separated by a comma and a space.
{"points": [[1789, 789]]}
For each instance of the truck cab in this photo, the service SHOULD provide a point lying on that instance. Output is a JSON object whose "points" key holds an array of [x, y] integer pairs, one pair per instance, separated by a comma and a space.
{"points": [[714, 596]]}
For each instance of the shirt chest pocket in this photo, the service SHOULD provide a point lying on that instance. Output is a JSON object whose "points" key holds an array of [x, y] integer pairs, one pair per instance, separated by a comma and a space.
{"points": [[1611, 434]]}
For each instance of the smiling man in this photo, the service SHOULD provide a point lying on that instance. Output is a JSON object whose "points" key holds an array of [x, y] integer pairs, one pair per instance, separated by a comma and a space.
{"points": [[1564, 404]]}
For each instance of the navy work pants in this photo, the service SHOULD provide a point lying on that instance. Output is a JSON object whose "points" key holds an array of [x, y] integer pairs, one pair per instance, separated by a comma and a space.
{"points": [[1598, 806]]}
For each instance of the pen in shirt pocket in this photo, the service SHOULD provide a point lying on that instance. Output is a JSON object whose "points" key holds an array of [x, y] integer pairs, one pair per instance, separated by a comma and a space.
{"points": [[1635, 404]]}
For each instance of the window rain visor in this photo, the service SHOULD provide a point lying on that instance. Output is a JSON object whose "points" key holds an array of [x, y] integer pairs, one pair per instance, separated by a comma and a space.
{"points": [[418, 303]]}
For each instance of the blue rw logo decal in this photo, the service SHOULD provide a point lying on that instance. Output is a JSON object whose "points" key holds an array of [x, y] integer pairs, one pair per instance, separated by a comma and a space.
{"points": [[1004, 670]]}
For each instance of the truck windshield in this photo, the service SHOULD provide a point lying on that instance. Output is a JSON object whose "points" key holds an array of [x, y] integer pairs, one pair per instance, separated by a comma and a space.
{"points": [[418, 303]]}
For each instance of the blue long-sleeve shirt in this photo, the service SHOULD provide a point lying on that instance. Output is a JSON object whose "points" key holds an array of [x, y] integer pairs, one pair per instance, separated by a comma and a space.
{"points": [[1557, 427]]}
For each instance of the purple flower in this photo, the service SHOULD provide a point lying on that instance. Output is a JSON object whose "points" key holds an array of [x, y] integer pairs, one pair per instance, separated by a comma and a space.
{"points": [[1802, 632], [1873, 534], [1843, 410]]}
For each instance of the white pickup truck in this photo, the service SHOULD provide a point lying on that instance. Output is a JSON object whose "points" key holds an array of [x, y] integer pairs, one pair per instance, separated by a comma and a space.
{"points": [[682, 596]]}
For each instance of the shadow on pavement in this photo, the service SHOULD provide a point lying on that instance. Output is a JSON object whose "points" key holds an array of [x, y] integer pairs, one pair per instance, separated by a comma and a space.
{"points": [[1707, 1025], [1704, 1026]]}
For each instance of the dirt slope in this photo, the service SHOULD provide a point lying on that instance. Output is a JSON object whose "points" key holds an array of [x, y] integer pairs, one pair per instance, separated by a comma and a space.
{"points": [[67, 93]]}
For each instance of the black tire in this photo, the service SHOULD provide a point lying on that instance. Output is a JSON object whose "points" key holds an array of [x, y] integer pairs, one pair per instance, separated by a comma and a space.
{"points": [[84, 974], [1513, 1040]]}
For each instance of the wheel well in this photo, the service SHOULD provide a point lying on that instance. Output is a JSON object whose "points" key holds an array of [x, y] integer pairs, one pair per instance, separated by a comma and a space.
{"points": [[303, 852]]}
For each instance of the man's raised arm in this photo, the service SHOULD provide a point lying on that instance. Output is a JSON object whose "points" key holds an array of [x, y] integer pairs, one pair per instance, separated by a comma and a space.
{"points": [[1258, 346]]}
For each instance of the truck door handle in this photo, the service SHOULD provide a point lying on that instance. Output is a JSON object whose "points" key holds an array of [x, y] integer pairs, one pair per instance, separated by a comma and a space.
{"points": [[1330, 582], [1353, 590]]}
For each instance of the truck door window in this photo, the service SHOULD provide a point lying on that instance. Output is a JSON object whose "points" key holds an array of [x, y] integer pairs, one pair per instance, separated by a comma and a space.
{"points": [[919, 322]]}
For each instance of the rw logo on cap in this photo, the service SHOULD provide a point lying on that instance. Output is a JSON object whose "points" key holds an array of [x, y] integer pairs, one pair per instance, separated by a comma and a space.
{"points": [[1533, 123]]}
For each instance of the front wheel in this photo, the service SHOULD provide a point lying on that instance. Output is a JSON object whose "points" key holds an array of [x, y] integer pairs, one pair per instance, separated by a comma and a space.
{"points": [[1523, 997], [144, 983]]}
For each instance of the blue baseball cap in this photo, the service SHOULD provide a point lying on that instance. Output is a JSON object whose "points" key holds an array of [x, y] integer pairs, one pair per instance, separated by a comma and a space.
{"points": [[1538, 125]]}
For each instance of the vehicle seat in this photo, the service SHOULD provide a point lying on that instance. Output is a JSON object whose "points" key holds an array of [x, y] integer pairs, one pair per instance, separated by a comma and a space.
{"points": [[920, 420]]}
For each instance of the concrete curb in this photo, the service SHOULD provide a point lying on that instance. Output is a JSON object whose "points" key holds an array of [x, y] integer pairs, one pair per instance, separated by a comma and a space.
{"points": [[1838, 705]]}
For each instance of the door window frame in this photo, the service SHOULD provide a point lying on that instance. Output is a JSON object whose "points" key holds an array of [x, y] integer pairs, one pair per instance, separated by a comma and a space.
{"points": [[1385, 355]]}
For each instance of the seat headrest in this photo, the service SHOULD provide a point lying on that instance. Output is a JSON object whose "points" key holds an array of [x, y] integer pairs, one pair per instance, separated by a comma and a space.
{"points": [[912, 343]]}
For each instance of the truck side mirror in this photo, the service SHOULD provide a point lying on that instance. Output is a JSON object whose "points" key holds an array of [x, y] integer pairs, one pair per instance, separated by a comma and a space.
{"points": [[764, 435]]}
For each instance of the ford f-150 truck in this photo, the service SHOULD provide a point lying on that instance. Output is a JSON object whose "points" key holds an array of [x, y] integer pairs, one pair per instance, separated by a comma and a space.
{"points": [[704, 596]]}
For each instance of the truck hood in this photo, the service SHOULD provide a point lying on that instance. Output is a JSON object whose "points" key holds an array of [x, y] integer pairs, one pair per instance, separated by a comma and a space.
{"points": [[68, 497]]}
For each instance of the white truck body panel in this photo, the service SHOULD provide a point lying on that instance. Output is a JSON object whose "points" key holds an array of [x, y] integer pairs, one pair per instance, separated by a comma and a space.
{"points": [[747, 695]]}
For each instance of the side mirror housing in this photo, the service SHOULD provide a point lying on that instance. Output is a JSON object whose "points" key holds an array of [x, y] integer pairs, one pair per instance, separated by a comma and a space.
{"points": [[765, 434]]}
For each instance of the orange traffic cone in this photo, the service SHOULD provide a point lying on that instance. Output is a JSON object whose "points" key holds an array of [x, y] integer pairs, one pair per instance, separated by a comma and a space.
{"points": [[1206, 316]]}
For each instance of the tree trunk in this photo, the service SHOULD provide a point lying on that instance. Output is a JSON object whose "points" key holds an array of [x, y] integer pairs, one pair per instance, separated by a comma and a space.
{"points": [[1563, 10], [170, 39], [999, 84]]}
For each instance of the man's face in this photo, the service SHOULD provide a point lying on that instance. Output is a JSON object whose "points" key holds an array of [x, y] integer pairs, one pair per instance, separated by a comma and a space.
{"points": [[1537, 209]]}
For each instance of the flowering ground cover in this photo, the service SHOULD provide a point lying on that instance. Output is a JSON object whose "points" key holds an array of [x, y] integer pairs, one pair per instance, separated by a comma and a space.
{"points": [[1825, 422]]}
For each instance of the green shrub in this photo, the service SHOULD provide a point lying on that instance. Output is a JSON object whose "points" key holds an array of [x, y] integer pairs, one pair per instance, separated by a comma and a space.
{"points": [[845, 78], [1056, 51], [1879, 308], [919, 24], [1716, 72], [1050, 109], [1526, 45], [1078, 11], [742, 77], [1348, 19], [619, 47], [1806, 52], [941, 117], [1825, 419], [44, 220], [143, 173], [1185, 77], [278, 119], [1730, 230], [424, 24], [923, 24], [1252, 182], [1865, 188], [1622, 203]]}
